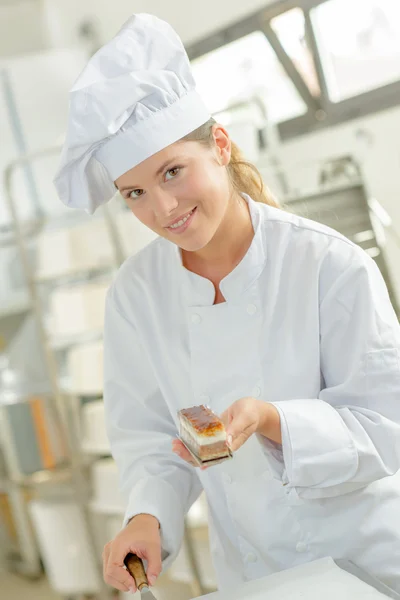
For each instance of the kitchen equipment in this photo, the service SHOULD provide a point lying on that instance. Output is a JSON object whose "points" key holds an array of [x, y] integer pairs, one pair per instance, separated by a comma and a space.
{"points": [[94, 435], [85, 369], [68, 560], [135, 567], [75, 249], [30, 431], [319, 579], [77, 309]]}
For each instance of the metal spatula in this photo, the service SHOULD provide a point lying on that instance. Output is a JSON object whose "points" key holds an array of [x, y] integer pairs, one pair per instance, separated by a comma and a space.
{"points": [[135, 568]]}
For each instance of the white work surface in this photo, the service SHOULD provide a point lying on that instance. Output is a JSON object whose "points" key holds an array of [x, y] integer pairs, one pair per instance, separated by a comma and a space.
{"points": [[312, 581]]}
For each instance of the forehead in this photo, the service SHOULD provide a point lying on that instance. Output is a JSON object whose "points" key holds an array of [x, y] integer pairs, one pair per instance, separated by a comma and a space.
{"points": [[148, 168]]}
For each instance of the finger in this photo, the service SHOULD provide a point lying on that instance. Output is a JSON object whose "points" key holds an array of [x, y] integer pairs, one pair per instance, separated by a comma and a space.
{"points": [[106, 554], [181, 450], [178, 444], [239, 441], [188, 459], [154, 563], [120, 586], [115, 570], [238, 432], [226, 417]]}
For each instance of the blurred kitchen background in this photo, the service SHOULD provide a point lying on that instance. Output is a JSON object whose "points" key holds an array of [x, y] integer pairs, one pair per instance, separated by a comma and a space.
{"points": [[310, 90]]}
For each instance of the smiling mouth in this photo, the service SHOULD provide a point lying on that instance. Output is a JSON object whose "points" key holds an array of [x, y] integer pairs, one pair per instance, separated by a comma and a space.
{"points": [[181, 220]]}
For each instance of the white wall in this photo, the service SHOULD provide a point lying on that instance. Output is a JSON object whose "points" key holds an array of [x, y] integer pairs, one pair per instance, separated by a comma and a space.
{"points": [[22, 28], [192, 19], [39, 83]]}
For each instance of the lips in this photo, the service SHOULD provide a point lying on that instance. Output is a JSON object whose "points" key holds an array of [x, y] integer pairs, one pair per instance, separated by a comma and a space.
{"points": [[181, 218]]}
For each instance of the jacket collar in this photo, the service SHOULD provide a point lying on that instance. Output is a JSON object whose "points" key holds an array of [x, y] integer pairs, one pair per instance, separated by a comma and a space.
{"points": [[199, 291]]}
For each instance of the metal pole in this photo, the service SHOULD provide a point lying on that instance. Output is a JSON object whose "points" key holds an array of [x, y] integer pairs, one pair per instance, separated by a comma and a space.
{"points": [[115, 239], [196, 583], [28, 548], [16, 127]]}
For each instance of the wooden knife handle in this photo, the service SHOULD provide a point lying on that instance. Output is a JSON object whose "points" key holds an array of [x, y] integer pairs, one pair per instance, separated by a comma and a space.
{"points": [[135, 568]]}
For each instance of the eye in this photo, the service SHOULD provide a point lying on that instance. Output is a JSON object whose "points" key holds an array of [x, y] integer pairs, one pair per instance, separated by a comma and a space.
{"points": [[171, 173], [136, 193]]}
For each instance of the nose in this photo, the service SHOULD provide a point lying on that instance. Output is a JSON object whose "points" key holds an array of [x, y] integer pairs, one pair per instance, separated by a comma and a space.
{"points": [[163, 203]]}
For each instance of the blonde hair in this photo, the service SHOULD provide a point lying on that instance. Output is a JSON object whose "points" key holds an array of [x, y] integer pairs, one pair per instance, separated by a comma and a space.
{"points": [[245, 176]]}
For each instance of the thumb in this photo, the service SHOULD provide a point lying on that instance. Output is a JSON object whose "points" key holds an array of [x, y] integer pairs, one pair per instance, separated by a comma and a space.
{"points": [[238, 431]]}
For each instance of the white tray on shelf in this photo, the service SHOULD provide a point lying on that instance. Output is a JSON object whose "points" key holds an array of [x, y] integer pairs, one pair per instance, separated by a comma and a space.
{"points": [[95, 449], [65, 342]]}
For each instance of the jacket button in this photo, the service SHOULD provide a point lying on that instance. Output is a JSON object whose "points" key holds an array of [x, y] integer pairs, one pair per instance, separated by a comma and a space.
{"points": [[301, 547], [251, 558], [251, 309], [196, 319], [228, 478], [257, 392]]}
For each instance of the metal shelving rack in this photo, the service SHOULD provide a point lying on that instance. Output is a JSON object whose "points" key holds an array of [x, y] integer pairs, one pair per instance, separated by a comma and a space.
{"points": [[74, 471], [348, 208]]}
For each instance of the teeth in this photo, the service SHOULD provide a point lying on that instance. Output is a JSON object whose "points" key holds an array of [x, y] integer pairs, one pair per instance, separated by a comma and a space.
{"points": [[181, 222]]}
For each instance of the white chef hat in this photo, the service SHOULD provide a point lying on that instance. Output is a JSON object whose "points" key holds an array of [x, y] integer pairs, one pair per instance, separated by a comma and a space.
{"points": [[135, 97]]}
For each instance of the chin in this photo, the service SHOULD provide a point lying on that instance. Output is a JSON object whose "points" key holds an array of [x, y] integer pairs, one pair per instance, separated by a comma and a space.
{"points": [[192, 246], [194, 243]]}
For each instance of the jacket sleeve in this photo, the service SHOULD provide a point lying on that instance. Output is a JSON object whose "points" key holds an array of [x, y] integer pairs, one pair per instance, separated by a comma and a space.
{"points": [[350, 435], [140, 429]]}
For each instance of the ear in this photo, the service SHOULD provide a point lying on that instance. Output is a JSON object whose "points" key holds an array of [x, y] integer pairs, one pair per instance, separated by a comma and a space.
{"points": [[222, 144]]}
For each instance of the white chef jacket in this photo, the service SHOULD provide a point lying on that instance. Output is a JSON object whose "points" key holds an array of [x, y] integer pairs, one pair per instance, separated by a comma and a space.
{"points": [[308, 325]]}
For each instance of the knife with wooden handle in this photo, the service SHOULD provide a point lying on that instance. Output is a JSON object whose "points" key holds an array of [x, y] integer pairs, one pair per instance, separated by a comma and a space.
{"points": [[135, 568]]}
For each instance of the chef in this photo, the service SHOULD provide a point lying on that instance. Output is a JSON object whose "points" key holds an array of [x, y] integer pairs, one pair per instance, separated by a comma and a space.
{"points": [[279, 324]]}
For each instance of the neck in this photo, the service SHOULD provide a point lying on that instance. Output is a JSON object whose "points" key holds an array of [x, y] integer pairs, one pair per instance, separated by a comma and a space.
{"points": [[229, 245]]}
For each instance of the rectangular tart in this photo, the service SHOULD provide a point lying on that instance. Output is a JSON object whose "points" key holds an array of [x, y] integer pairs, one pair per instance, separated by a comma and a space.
{"points": [[203, 432]]}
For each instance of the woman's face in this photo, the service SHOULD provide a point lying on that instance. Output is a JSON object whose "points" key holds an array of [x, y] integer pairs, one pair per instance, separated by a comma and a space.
{"points": [[182, 192]]}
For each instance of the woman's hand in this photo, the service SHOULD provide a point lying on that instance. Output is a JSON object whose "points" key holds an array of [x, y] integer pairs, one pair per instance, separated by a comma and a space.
{"points": [[247, 416], [243, 418], [180, 449], [141, 537]]}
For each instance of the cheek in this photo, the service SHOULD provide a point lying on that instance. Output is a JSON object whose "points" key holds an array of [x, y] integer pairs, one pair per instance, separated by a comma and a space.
{"points": [[191, 186], [204, 185]]}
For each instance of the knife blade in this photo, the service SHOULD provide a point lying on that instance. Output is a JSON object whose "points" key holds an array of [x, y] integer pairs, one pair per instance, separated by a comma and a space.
{"points": [[135, 568]]}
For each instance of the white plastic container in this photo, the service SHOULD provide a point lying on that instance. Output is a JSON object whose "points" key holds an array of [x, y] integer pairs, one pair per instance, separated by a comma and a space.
{"points": [[94, 435], [74, 249], [78, 309], [85, 369], [64, 545]]}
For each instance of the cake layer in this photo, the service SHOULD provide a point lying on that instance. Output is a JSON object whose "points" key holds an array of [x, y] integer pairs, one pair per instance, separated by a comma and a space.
{"points": [[202, 422], [205, 451], [203, 432], [200, 438], [217, 450]]}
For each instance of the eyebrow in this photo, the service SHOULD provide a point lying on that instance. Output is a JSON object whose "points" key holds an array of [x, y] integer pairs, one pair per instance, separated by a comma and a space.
{"points": [[158, 172]]}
